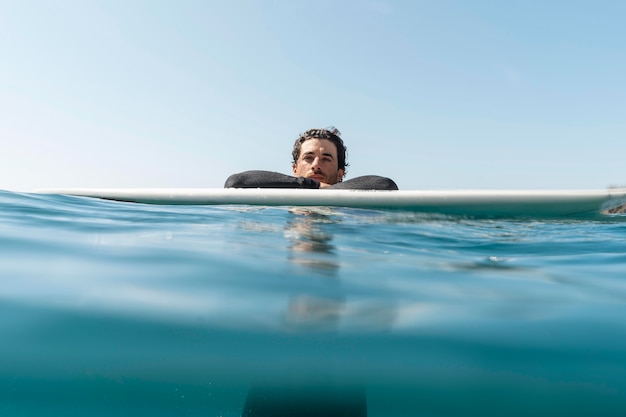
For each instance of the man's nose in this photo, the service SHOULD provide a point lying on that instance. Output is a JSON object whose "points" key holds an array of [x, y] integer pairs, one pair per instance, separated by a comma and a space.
{"points": [[316, 162]]}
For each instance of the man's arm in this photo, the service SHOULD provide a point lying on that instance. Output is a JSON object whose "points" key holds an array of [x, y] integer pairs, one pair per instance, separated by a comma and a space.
{"points": [[268, 179], [366, 182]]}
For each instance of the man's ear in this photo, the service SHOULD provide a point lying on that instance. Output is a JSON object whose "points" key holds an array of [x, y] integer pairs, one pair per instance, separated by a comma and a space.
{"points": [[340, 174], [293, 168]]}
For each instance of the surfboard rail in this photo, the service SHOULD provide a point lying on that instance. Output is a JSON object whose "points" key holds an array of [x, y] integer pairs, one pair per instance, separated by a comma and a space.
{"points": [[492, 203]]}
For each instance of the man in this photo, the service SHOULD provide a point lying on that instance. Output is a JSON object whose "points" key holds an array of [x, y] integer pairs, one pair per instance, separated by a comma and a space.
{"points": [[319, 161]]}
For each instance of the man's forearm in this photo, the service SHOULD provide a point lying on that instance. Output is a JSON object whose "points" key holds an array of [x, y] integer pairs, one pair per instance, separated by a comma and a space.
{"points": [[268, 179]]}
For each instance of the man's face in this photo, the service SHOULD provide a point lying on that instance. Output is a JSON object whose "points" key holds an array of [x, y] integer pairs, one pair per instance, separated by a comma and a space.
{"points": [[318, 160]]}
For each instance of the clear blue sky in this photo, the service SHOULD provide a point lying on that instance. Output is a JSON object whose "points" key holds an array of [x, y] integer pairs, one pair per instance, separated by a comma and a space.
{"points": [[435, 94]]}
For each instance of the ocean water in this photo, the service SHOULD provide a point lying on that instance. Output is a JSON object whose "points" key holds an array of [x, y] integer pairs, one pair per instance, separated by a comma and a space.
{"points": [[120, 309]]}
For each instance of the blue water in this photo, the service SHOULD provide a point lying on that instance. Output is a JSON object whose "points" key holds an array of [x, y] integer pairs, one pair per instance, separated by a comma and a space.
{"points": [[126, 309]]}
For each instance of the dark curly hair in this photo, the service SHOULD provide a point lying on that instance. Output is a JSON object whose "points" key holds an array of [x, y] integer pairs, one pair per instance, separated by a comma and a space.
{"points": [[330, 133]]}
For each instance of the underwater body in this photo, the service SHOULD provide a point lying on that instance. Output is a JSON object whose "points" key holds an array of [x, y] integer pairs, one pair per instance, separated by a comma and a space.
{"points": [[113, 308]]}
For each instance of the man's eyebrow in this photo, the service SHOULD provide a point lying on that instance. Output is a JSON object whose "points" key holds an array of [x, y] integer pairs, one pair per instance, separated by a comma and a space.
{"points": [[323, 154]]}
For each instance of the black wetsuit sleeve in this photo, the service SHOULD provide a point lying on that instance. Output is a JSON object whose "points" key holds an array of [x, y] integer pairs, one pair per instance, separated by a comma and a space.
{"points": [[268, 179], [366, 182]]}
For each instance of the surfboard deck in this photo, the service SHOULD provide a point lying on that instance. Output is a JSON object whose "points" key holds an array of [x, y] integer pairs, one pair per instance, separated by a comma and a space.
{"points": [[482, 203]]}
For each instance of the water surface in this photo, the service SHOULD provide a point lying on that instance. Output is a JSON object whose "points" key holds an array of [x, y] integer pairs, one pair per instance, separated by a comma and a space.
{"points": [[112, 308]]}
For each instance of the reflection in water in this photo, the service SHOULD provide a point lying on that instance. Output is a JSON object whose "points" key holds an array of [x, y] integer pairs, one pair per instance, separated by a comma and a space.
{"points": [[310, 242], [309, 234]]}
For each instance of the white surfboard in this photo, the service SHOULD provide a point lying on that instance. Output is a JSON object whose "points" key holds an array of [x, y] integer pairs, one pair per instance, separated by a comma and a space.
{"points": [[483, 203]]}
